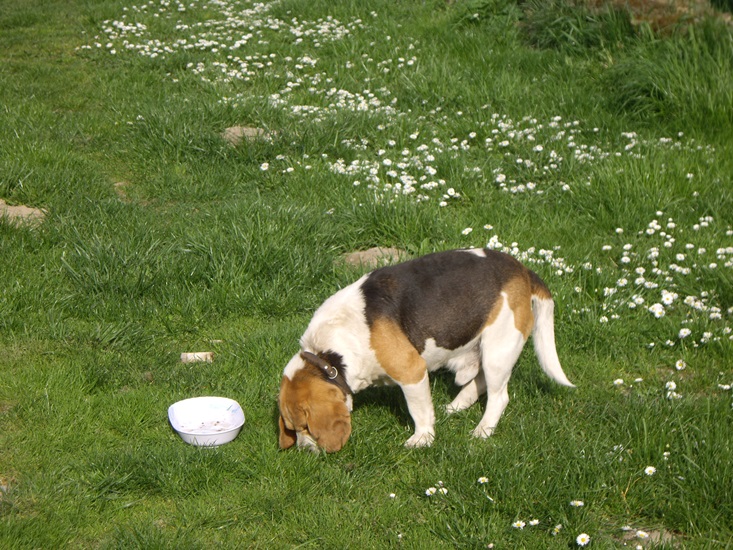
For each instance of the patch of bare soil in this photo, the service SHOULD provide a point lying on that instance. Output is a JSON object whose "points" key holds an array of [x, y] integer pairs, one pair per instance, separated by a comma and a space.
{"points": [[21, 215], [236, 134], [653, 538], [373, 257]]}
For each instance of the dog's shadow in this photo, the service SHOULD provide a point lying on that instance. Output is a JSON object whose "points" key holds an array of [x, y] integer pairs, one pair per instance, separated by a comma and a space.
{"points": [[387, 399]]}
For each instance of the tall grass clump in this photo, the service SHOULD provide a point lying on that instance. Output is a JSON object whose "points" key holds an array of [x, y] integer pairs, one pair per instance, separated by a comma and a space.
{"points": [[686, 78], [574, 28]]}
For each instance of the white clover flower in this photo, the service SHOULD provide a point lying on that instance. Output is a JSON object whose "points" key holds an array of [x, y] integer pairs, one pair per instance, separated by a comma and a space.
{"points": [[519, 524], [582, 539], [650, 470]]}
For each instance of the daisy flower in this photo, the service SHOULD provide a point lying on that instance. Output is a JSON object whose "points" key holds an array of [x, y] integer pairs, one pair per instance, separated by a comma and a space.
{"points": [[650, 470], [577, 503], [583, 539], [534, 522], [431, 491], [519, 524], [483, 479]]}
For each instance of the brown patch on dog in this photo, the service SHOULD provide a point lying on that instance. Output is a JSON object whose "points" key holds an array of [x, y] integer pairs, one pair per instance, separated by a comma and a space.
{"points": [[398, 357], [519, 295], [310, 405]]}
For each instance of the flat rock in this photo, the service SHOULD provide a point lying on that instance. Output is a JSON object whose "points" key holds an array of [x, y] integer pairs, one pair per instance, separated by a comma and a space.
{"points": [[21, 214], [373, 257], [236, 134]]}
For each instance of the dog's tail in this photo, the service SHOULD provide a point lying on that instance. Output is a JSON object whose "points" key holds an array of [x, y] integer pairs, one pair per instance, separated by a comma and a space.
{"points": [[543, 333]]}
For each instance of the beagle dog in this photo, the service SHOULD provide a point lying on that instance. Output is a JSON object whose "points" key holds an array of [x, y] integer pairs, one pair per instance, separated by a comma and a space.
{"points": [[470, 311]]}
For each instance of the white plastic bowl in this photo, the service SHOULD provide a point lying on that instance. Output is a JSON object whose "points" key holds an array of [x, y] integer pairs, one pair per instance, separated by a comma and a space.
{"points": [[206, 421]]}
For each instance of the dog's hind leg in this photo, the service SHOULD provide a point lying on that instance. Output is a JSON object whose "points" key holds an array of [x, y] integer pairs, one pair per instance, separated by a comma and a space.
{"points": [[468, 395], [501, 344]]}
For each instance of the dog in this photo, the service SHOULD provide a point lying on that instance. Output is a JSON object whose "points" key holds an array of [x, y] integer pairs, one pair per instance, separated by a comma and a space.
{"points": [[470, 311]]}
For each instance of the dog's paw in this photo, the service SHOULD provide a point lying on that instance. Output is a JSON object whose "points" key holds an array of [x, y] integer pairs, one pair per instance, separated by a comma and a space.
{"points": [[482, 432], [424, 439]]}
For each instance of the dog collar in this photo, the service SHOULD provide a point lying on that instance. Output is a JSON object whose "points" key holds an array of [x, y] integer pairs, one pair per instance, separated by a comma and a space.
{"points": [[334, 373]]}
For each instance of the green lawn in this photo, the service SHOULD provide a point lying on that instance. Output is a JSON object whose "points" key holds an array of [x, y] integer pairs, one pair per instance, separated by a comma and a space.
{"points": [[597, 151]]}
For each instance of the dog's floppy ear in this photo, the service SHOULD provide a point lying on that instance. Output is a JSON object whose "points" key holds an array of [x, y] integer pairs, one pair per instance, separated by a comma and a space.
{"points": [[287, 437], [330, 424]]}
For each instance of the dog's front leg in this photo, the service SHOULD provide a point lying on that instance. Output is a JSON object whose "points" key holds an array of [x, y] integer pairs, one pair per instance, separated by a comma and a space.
{"points": [[420, 405], [403, 364]]}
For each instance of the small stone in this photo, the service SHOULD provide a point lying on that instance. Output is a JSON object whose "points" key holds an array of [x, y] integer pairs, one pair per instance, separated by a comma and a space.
{"points": [[198, 357]]}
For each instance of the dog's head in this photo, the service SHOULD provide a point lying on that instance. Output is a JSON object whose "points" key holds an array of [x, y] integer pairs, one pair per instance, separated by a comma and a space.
{"points": [[313, 410]]}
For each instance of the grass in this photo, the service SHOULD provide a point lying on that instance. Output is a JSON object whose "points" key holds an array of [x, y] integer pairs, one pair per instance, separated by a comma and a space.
{"points": [[597, 151]]}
